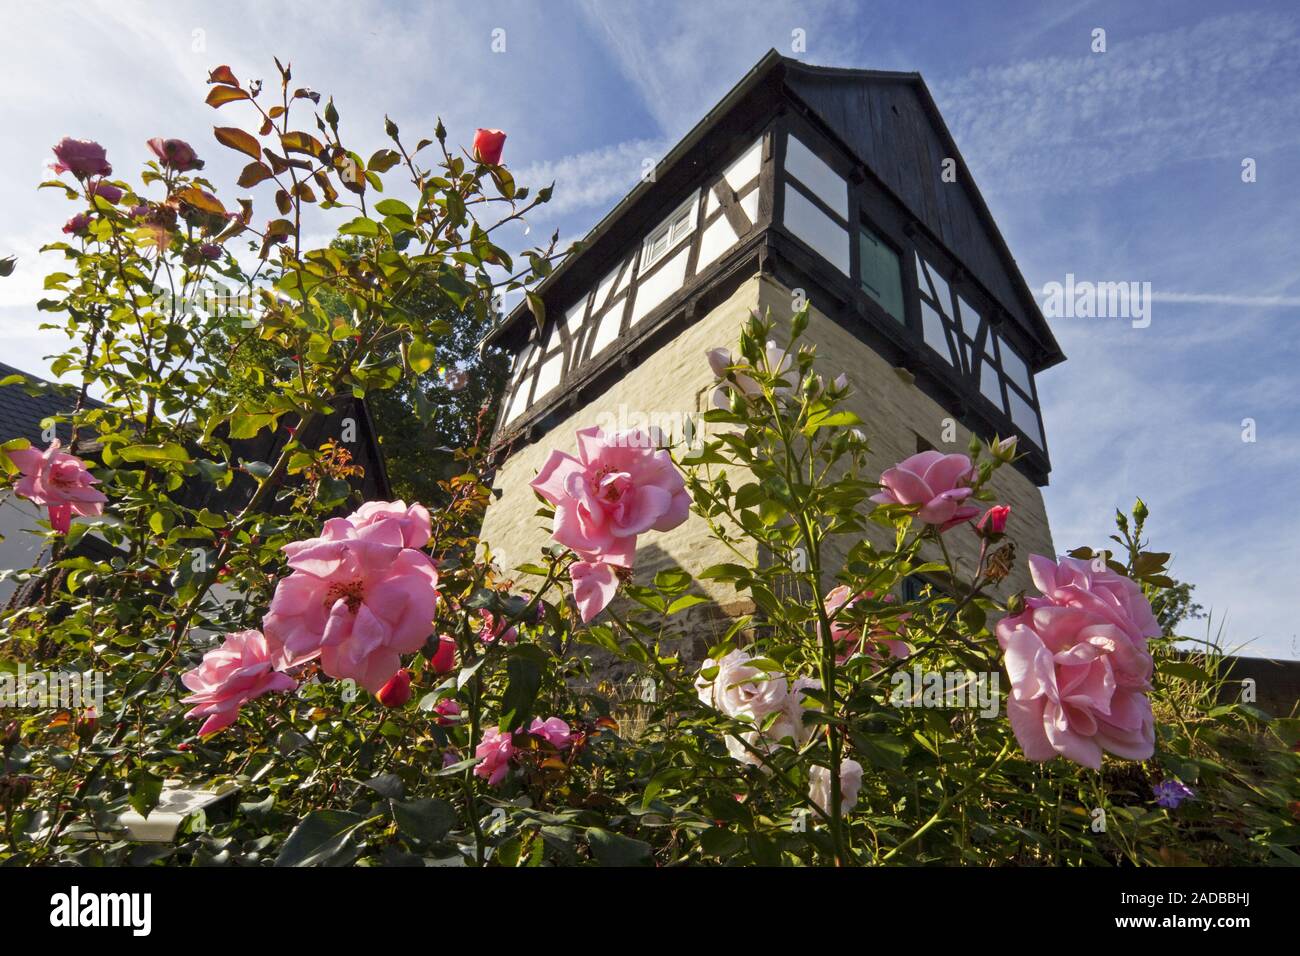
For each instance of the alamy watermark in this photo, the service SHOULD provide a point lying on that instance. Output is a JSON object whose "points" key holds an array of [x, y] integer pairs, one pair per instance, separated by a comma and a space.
{"points": [[69, 690], [947, 690], [1098, 300]]}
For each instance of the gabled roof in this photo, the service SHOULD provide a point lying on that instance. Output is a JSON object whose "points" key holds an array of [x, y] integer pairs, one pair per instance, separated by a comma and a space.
{"points": [[905, 159], [21, 414]]}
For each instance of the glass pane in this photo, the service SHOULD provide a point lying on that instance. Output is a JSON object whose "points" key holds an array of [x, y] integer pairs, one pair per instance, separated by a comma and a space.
{"points": [[829, 186], [1022, 413], [827, 237], [1015, 367], [882, 274], [932, 328], [941, 290], [970, 319], [989, 384]]}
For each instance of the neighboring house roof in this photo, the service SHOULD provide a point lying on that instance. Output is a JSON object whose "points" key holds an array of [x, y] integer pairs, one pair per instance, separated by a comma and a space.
{"points": [[21, 413]]}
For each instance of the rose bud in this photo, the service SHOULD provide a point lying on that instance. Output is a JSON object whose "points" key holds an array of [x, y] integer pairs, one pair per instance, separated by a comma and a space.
{"points": [[210, 250], [78, 225], [444, 658], [397, 691], [994, 521], [175, 154], [14, 789], [488, 144], [447, 710], [11, 735], [81, 157], [86, 725]]}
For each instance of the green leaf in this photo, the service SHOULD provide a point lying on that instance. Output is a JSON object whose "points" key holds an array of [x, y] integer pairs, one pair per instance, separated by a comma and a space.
{"points": [[428, 820], [168, 451], [685, 601], [614, 849], [361, 226], [1184, 671], [420, 355], [524, 675], [394, 207], [323, 838], [145, 791]]}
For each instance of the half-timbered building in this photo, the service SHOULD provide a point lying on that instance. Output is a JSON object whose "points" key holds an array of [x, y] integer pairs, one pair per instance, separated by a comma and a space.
{"points": [[839, 187]]}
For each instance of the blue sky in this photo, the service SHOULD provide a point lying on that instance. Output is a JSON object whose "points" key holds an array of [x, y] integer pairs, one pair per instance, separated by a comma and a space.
{"points": [[1115, 166]]}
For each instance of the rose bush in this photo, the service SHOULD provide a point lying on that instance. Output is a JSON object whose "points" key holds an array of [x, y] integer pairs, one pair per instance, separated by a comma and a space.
{"points": [[380, 691]]}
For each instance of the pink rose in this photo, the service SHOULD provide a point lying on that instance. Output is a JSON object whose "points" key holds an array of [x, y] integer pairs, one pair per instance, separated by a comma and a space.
{"points": [[878, 638], [488, 144], [358, 599], [619, 486], [594, 586], [60, 481], [1073, 582], [448, 711], [229, 676], [397, 691], [491, 630], [553, 730], [819, 786], [210, 251], [994, 521], [1079, 666], [937, 482], [413, 519], [78, 225], [175, 154], [81, 157], [779, 361], [494, 752]]}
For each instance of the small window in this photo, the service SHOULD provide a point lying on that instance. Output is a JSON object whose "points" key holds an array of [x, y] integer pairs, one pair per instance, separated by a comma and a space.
{"points": [[671, 231], [882, 273]]}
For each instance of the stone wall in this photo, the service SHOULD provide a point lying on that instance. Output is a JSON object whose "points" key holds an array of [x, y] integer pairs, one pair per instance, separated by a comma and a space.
{"points": [[676, 380]]}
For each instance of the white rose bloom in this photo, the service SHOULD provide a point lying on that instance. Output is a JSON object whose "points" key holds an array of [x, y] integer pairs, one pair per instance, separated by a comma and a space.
{"points": [[819, 785]]}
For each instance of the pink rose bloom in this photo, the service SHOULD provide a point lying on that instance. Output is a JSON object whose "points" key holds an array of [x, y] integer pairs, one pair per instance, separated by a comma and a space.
{"points": [[358, 599], [617, 487], [488, 144], [553, 730], [494, 752], [1079, 666], [81, 157], [229, 676], [594, 586], [447, 710], [414, 519], [175, 154], [491, 630], [1073, 582], [878, 638], [108, 192], [779, 361], [819, 786], [937, 482], [59, 481]]}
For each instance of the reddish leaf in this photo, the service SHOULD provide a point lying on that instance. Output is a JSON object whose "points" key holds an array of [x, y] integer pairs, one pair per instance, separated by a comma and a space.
{"points": [[238, 139], [253, 174], [221, 95], [222, 74], [301, 143], [283, 202]]}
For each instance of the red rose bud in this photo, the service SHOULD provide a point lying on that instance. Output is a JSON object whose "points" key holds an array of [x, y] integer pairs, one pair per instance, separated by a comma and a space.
{"points": [[86, 725], [994, 521], [11, 735], [397, 691], [78, 225], [444, 659], [488, 144]]}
